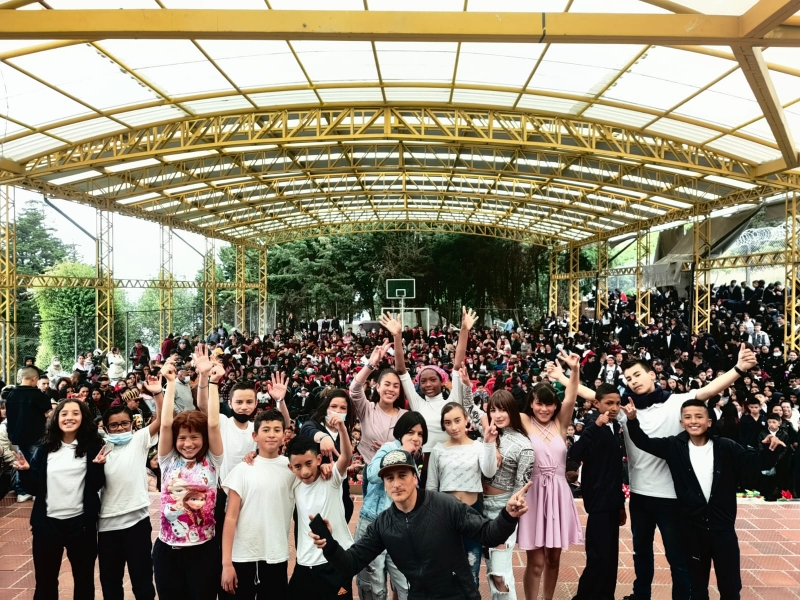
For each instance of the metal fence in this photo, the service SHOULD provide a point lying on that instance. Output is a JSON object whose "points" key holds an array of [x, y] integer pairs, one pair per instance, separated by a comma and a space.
{"points": [[65, 338]]}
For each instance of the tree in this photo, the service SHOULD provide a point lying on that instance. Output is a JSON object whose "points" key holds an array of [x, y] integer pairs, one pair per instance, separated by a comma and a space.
{"points": [[144, 317]]}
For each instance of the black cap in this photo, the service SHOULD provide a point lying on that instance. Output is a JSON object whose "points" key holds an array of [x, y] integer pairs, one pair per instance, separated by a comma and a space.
{"points": [[395, 459]]}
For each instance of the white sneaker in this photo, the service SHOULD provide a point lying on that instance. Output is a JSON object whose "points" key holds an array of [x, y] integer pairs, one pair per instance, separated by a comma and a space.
{"points": [[24, 497]]}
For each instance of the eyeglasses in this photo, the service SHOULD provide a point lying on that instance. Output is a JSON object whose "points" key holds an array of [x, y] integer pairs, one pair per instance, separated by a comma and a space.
{"points": [[116, 426]]}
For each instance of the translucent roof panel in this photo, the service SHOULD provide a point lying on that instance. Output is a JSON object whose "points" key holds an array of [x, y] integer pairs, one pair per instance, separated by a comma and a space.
{"points": [[424, 62], [255, 64], [337, 61], [501, 64], [727, 103]]}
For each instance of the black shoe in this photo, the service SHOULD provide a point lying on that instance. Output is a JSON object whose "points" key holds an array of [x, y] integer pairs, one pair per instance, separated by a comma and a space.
{"points": [[630, 597]]}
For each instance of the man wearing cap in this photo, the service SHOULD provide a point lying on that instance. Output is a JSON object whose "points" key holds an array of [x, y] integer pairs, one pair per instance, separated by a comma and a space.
{"points": [[422, 532]]}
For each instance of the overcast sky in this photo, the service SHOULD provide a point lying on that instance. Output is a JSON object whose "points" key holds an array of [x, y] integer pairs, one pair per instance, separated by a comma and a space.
{"points": [[135, 243]]}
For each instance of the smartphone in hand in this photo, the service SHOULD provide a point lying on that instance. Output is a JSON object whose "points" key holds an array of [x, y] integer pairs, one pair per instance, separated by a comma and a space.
{"points": [[318, 526]]}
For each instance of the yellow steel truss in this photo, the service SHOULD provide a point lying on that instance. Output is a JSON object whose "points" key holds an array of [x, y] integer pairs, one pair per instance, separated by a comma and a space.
{"points": [[210, 287], [104, 292], [642, 291], [165, 294], [241, 272], [792, 321], [8, 285], [601, 302], [701, 232], [574, 289], [263, 297], [552, 299]]}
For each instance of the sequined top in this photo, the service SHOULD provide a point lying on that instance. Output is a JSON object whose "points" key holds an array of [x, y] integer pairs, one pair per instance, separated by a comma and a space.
{"points": [[515, 470]]}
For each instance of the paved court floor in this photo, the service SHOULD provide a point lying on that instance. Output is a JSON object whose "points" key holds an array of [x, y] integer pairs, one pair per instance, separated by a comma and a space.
{"points": [[769, 537]]}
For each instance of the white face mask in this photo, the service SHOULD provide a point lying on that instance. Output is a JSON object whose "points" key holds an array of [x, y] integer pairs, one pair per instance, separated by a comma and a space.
{"points": [[343, 415], [187, 379]]}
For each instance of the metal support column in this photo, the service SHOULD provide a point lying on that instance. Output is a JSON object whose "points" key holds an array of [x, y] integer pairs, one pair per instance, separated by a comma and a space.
{"points": [[701, 312], [209, 288], [601, 283], [263, 299], [166, 279], [8, 285], [241, 263], [642, 294], [574, 289], [104, 293], [792, 320], [552, 299]]}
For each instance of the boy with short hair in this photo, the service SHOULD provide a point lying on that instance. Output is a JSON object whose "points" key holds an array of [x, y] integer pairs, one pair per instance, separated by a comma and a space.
{"points": [[773, 464], [600, 451], [255, 556], [313, 577], [705, 469]]}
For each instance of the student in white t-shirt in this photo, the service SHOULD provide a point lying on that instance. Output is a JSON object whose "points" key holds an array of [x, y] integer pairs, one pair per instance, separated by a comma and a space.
{"points": [[124, 528], [255, 542], [313, 577]]}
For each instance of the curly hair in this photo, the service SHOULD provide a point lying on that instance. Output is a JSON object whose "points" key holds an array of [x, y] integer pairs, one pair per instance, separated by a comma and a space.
{"points": [[87, 431]]}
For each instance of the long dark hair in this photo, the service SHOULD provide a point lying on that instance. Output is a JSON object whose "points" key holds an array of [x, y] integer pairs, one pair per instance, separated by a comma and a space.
{"points": [[400, 401], [87, 431], [503, 400], [325, 401], [545, 394]]}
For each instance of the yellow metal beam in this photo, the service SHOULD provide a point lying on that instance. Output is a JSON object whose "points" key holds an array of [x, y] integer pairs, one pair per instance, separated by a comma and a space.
{"points": [[166, 275], [765, 16], [241, 266], [8, 287], [701, 232], [14, 4], [642, 291], [209, 288], [263, 298], [400, 26], [601, 301], [552, 299], [104, 292], [792, 321], [574, 289], [755, 70]]}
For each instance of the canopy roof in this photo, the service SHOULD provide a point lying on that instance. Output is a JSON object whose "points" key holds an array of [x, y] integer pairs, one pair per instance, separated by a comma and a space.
{"points": [[265, 140]]}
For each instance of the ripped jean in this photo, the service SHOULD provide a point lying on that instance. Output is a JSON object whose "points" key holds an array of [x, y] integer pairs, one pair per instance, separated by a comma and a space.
{"points": [[498, 561], [371, 582], [474, 548]]}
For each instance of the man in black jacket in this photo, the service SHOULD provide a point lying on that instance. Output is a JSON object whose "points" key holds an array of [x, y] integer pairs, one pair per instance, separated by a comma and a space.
{"points": [[600, 450], [26, 410], [705, 470], [422, 532]]}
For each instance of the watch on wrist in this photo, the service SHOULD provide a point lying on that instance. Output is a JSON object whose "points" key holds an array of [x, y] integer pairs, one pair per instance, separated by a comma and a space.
{"points": [[739, 371]]}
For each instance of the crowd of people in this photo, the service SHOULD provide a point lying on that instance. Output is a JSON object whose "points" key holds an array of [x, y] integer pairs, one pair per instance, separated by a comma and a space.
{"points": [[465, 442]]}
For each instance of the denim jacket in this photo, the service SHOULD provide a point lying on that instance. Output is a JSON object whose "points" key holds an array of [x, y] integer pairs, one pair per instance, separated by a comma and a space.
{"points": [[377, 500]]}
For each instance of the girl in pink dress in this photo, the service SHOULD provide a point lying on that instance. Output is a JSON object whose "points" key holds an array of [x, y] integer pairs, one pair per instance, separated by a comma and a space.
{"points": [[552, 522]]}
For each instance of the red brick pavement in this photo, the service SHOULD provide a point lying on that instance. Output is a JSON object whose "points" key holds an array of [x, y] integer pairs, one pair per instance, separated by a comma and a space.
{"points": [[769, 536]]}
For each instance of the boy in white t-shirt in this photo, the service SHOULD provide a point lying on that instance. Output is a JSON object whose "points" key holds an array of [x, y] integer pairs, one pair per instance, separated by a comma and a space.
{"points": [[313, 577], [255, 546]]}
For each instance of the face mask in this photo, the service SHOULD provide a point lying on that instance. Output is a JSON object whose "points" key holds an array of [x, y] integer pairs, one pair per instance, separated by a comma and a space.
{"points": [[187, 379], [776, 354], [120, 439], [338, 414], [242, 418]]}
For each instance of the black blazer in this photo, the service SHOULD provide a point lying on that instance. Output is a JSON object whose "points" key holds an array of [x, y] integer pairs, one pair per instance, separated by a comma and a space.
{"points": [[730, 458], [600, 451], [34, 482]]}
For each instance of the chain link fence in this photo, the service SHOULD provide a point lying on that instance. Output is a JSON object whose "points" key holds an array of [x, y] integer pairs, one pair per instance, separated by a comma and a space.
{"points": [[64, 338]]}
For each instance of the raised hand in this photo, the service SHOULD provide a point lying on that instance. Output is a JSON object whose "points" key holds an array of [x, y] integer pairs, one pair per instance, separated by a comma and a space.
{"points": [[202, 362], [464, 372], [516, 505], [573, 360], [630, 411], [391, 323], [276, 387], [100, 459], [21, 463], [217, 372], [490, 435], [168, 372], [554, 371], [602, 420], [377, 354], [747, 358], [468, 319], [153, 384]]}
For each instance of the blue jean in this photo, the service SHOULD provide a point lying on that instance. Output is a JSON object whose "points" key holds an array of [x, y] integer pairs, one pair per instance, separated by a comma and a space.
{"points": [[474, 549], [647, 513], [27, 452]]}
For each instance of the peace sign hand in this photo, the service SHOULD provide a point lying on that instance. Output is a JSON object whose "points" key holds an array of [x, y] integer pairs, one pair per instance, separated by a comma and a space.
{"points": [[21, 463], [516, 505], [101, 457]]}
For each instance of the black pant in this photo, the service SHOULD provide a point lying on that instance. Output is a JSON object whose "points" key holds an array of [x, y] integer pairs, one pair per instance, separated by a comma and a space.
{"points": [[261, 580], [132, 546], [322, 582], [188, 573], [599, 579], [49, 543], [722, 547], [647, 513]]}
